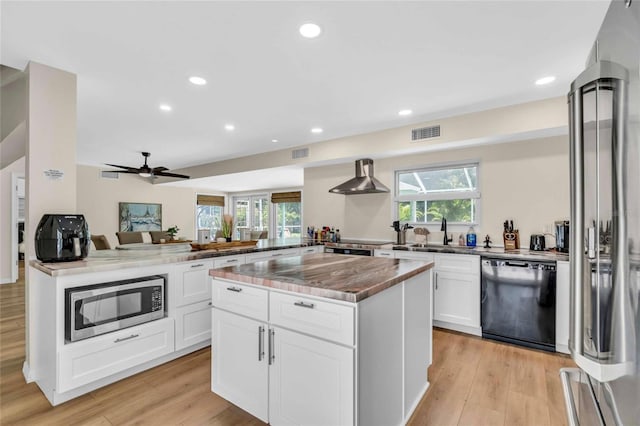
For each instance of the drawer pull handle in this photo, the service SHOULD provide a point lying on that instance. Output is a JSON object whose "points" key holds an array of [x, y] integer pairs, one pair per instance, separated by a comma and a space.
{"points": [[133, 336], [198, 265], [236, 289], [385, 254], [232, 260], [305, 305], [210, 304], [276, 254]]}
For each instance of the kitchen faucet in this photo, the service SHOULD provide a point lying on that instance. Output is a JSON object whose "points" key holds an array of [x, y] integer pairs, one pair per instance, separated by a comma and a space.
{"points": [[443, 227]]}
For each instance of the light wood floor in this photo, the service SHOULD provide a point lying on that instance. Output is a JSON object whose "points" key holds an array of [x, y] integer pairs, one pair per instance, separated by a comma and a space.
{"points": [[473, 382]]}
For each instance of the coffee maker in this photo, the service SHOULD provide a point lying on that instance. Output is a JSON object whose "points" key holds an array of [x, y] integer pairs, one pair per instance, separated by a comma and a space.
{"points": [[562, 236]]}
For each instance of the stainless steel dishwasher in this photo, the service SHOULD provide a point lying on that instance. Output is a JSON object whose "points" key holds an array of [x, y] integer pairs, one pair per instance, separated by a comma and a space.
{"points": [[518, 302]]}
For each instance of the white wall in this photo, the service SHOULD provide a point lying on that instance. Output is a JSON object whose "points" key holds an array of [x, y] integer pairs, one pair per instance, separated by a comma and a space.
{"points": [[526, 181], [98, 199], [6, 200]]}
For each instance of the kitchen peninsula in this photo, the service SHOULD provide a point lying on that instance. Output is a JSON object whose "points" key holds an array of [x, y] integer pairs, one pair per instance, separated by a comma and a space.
{"points": [[323, 338]]}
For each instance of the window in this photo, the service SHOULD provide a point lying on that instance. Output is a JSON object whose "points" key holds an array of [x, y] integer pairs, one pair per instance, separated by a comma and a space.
{"points": [[425, 196], [251, 213], [209, 209], [288, 213]]}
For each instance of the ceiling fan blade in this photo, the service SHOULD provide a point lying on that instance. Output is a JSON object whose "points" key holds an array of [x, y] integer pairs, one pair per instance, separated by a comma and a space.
{"points": [[132, 171], [128, 169], [172, 175], [159, 169]]}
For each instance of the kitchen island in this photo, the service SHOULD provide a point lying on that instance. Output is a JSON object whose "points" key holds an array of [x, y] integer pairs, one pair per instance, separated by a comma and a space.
{"points": [[323, 338]]}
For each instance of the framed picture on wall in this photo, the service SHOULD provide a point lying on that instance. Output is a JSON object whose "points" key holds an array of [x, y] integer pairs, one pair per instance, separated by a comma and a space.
{"points": [[140, 217]]}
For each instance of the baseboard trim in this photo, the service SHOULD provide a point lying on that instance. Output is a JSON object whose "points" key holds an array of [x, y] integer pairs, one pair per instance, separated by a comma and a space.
{"points": [[476, 331], [26, 372], [7, 281]]}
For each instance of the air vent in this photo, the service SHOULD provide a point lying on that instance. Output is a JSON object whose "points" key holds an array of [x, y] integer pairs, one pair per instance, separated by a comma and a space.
{"points": [[300, 153], [108, 175], [425, 133]]}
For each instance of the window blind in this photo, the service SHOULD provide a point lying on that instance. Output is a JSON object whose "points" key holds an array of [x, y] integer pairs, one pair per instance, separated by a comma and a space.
{"points": [[286, 197], [210, 200]]}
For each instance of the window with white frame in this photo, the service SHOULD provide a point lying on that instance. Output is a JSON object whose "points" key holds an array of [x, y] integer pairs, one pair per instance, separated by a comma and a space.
{"points": [[209, 210], [426, 195]]}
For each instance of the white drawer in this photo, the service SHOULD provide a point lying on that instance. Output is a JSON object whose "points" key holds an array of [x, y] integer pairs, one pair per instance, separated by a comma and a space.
{"points": [[192, 282], [272, 254], [312, 249], [463, 263], [241, 299], [229, 261], [326, 320], [417, 255], [384, 253], [92, 359]]}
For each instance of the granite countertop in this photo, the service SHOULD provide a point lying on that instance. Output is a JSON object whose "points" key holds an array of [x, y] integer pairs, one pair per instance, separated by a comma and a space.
{"points": [[498, 252], [335, 276], [108, 260]]}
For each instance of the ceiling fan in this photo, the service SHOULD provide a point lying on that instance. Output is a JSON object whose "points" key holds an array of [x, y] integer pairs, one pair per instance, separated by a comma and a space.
{"points": [[146, 171]]}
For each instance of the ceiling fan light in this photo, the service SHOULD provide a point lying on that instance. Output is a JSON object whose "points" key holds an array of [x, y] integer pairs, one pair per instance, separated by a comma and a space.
{"points": [[143, 174]]}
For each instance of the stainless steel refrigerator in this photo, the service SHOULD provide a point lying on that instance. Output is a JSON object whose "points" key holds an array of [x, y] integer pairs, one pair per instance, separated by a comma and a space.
{"points": [[604, 122]]}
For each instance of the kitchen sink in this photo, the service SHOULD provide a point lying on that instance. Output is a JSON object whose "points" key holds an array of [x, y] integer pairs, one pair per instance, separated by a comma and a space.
{"points": [[435, 248]]}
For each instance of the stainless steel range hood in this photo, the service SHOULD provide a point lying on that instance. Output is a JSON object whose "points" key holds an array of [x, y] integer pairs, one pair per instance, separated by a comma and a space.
{"points": [[363, 183]]}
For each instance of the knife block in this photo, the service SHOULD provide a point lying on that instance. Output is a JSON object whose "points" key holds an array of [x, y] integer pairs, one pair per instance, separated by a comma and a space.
{"points": [[511, 240]]}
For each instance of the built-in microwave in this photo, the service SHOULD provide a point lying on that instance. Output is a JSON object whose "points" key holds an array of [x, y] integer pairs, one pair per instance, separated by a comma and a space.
{"points": [[102, 308]]}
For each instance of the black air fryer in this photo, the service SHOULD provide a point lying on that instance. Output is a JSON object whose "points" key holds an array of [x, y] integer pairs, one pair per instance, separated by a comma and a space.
{"points": [[62, 238]]}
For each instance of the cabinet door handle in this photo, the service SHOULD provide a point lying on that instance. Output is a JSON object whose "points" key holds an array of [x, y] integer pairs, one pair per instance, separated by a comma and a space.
{"points": [[235, 289], [436, 280], [260, 343], [210, 304], [272, 352], [133, 336], [385, 254], [198, 265], [305, 305]]}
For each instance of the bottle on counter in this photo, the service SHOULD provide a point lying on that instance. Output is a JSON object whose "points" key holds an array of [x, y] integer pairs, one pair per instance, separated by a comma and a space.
{"points": [[461, 240], [337, 235], [471, 237]]}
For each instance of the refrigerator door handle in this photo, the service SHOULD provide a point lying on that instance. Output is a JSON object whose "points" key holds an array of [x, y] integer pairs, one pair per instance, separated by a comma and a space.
{"points": [[569, 402]]}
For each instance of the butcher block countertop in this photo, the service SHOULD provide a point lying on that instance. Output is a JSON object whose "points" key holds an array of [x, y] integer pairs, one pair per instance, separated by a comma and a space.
{"points": [[340, 277]]}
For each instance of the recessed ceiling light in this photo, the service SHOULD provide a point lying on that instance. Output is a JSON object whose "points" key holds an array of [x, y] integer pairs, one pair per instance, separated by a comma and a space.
{"points": [[274, 140], [165, 107], [310, 30], [229, 127], [198, 81], [545, 80], [316, 130], [405, 112]]}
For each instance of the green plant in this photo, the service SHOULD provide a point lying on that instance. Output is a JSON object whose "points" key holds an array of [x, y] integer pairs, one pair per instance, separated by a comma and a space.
{"points": [[227, 225], [173, 231]]}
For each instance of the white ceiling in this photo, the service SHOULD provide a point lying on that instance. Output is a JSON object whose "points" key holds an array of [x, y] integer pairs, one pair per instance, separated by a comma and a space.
{"points": [[373, 59]]}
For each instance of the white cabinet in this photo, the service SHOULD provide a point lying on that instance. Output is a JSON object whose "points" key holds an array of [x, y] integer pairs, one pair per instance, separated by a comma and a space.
{"points": [[92, 359], [239, 371], [562, 306], [193, 324], [457, 292], [271, 254], [311, 381], [190, 285]]}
